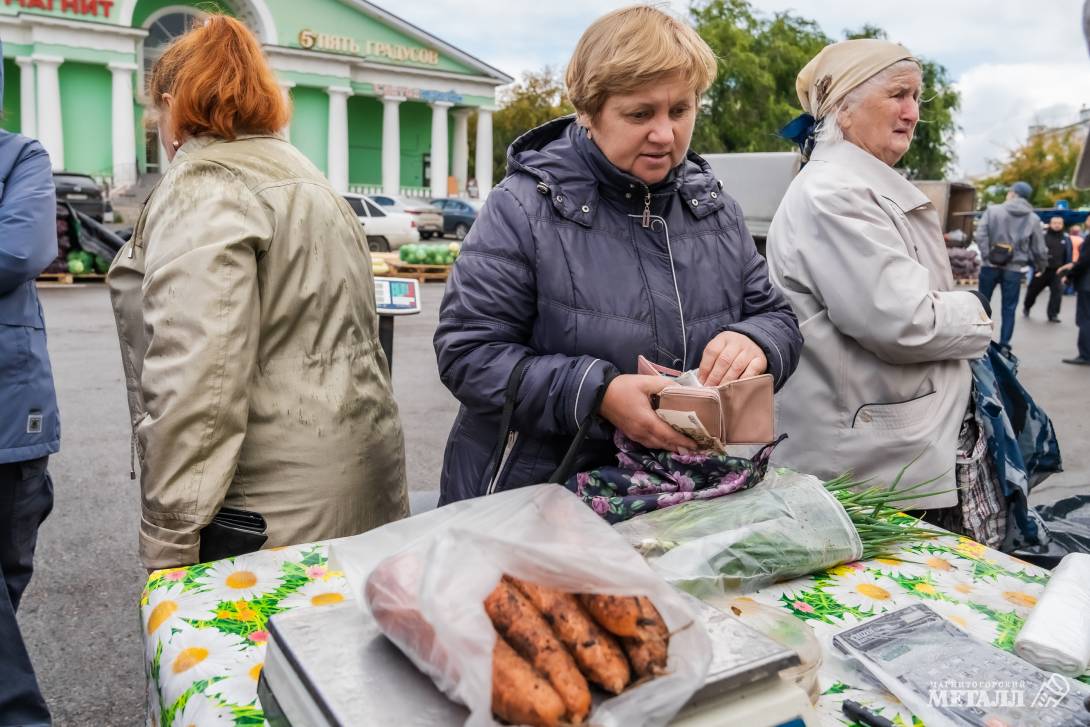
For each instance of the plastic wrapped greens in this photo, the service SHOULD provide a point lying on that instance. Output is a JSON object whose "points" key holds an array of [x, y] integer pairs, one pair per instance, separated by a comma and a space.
{"points": [[788, 526]]}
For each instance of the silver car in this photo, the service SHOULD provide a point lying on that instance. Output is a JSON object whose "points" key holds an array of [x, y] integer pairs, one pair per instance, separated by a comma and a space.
{"points": [[429, 218]]}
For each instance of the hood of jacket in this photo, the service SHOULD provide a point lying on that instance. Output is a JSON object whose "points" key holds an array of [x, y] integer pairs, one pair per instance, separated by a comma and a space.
{"points": [[561, 156], [1018, 207]]}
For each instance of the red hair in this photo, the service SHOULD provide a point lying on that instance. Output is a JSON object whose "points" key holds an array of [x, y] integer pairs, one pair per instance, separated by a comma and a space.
{"points": [[220, 81]]}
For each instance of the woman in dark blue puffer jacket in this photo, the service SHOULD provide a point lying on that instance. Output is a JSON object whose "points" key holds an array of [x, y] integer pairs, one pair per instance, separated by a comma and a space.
{"points": [[607, 239]]}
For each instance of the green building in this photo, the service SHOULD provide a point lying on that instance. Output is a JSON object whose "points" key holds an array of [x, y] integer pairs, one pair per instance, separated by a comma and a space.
{"points": [[379, 104]]}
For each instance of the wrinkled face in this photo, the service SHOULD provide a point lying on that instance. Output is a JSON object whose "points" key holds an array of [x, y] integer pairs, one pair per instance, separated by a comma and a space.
{"points": [[1056, 224], [646, 133], [885, 120]]}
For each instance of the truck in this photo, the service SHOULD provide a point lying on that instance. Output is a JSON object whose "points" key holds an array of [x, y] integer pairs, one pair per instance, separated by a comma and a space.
{"points": [[759, 180]]}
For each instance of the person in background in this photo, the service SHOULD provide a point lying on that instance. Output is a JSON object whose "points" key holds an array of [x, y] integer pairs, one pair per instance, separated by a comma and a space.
{"points": [[1010, 238], [245, 308], [884, 378], [1075, 233], [30, 429], [607, 239], [1058, 245], [1078, 275]]}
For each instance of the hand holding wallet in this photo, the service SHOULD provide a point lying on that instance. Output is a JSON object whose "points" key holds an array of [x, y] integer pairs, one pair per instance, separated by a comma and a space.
{"points": [[735, 412]]}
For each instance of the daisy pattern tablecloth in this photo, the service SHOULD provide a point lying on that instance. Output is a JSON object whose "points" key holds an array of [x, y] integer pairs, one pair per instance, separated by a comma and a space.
{"points": [[205, 626], [205, 632], [982, 591]]}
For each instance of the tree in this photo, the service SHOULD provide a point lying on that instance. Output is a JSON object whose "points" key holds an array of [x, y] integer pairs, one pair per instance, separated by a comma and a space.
{"points": [[1047, 162], [537, 98], [754, 93]]}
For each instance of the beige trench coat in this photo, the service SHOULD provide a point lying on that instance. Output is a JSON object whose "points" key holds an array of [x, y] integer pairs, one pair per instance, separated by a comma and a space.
{"points": [[246, 312], [884, 377]]}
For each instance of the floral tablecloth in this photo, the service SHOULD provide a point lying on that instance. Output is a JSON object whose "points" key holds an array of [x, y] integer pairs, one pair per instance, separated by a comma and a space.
{"points": [[205, 626]]}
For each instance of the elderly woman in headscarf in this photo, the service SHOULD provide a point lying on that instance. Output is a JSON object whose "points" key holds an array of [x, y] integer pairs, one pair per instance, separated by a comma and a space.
{"points": [[884, 378]]}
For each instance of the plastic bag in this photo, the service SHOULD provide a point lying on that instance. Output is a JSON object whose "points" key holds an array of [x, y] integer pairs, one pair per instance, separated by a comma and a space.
{"points": [[787, 526], [786, 630], [1068, 523], [428, 598]]}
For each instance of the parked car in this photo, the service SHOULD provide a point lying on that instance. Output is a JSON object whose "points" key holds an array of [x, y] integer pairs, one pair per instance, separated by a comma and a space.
{"points": [[84, 194], [458, 215], [429, 218], [385, 230]]}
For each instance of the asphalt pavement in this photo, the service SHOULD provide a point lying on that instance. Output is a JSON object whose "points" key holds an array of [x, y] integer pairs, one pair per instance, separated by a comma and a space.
{"points": [[80, 614]]}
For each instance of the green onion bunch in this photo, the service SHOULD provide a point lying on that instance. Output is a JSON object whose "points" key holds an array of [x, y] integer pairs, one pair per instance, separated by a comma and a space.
{"points": [[876, 513]]}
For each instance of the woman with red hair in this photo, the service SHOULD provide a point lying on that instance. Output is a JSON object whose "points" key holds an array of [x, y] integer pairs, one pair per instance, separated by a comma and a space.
{"points": [[246, 312]]}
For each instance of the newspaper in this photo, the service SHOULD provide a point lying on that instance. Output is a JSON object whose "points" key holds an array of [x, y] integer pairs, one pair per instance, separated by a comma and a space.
{"points": [[947, 677]]}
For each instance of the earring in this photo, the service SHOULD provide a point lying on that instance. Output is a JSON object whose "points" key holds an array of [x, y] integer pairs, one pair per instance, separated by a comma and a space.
{"points": [[588, 134], [176, 144]]}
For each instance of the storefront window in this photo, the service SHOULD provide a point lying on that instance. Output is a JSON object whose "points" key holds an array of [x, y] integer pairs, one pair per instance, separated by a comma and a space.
{"points": [[162, 29]]}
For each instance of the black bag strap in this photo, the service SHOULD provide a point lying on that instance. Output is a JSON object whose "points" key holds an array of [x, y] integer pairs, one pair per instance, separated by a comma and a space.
{"points": [[509, 401], [567, 465], [562, 473]]}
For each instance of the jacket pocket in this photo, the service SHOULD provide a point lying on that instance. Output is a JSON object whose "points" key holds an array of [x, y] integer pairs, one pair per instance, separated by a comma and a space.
{"points": [[894, 416], [15, 366]]}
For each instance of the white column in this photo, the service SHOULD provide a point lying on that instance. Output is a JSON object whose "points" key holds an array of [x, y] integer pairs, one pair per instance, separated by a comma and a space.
{"points": [[337, 156], [484, 151], [461, 148], [50, 127], [28, 98], [391, 144], [124, 127], [440, 148], [285, 90]]}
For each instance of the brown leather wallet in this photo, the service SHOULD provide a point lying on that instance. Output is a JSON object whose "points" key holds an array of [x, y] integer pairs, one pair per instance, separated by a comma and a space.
{"points": [[735, 412]]}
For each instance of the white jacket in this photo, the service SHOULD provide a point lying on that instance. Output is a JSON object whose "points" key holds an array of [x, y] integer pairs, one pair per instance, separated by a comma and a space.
{"points": [[884, 377]]}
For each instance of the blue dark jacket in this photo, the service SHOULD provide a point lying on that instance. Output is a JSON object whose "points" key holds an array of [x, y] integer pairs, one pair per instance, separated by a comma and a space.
{"points": [[559, 267], [29, 421]]}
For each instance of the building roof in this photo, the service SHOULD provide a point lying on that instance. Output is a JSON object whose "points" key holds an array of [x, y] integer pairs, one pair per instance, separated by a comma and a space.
{"points": [[422, 35]]}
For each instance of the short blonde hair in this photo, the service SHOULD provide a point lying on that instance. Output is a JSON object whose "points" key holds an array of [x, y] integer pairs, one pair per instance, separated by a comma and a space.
{"points": [[626, 49]]}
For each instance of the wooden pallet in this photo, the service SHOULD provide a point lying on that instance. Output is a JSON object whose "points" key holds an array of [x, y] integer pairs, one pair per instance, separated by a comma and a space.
{"points": [[422, 273], [69, 278]]}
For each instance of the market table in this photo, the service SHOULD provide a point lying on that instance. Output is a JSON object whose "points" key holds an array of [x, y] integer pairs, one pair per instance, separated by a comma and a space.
{"points": [[205, 626]]}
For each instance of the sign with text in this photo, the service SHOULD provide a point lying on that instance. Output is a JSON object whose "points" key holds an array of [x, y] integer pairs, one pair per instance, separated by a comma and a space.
{"points": [[311, 40], [94, 8], [417, 94]]}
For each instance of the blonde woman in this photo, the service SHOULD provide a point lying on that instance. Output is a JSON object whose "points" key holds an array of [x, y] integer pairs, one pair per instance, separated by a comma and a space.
{"points": [[608, 239]]}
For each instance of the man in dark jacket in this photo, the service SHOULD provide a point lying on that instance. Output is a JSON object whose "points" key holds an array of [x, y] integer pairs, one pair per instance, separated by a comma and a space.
{"points": [[30, 427], [1078, 274], [1009, 236], [1058, 245]]}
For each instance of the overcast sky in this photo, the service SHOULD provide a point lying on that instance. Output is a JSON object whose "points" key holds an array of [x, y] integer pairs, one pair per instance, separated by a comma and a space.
{"points": [[1015, 62]]}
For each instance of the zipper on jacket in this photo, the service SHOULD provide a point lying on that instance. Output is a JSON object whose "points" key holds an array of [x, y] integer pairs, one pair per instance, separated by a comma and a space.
{"points": [[512, 437], [132, 455], [646, 221]]}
